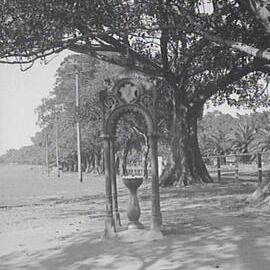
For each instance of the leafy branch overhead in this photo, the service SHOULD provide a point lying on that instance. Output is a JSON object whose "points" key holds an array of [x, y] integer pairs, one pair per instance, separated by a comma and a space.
{"points": [[163, 38], [202, 50]]}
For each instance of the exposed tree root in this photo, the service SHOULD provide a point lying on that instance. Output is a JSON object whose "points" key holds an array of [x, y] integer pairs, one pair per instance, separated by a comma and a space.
{"points": [[261, 196]]}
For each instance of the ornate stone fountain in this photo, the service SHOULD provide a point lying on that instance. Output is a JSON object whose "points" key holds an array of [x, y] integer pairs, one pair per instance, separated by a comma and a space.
{"points": [[133, 209], [129, 94]]}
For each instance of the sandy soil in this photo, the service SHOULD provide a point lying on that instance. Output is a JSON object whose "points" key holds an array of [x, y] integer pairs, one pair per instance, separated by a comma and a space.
{"points": [[56, 224]]}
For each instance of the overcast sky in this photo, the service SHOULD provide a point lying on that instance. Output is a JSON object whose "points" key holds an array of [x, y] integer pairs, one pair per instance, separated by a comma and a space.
{"points": [[20, 93]]}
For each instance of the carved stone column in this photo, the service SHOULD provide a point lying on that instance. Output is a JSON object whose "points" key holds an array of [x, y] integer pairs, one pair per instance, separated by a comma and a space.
{"points": [[116, 214], [156, 214], [109, 222]]}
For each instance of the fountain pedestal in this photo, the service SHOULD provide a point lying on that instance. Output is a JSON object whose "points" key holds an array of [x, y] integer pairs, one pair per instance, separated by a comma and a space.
{"points": [[133, 209]]}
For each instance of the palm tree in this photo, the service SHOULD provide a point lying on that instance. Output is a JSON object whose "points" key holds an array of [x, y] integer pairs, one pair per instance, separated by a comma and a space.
{"points": [[218, 143], [242, 138], [263, 139]]}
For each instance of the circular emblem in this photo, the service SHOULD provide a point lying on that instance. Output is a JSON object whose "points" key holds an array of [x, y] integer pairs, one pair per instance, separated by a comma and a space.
{"points": [[128, 92]]}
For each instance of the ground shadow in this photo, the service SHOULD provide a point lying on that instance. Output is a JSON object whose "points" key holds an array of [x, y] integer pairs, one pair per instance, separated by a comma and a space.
{"points": [[200, 232]]}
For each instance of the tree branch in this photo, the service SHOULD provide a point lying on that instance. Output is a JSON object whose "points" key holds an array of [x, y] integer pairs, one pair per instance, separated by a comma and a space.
{"points": [[235, 75], [112, 59], [261, 10], [139, 57], [258, 53]]}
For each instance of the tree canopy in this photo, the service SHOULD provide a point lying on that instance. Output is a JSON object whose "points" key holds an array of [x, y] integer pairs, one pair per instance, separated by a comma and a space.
{"points": [[198, 47], [55, 25], [162, 38]]}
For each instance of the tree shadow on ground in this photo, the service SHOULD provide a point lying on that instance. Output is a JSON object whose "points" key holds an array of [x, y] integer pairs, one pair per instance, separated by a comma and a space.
{"points": [[198, 235], [198, 243]]}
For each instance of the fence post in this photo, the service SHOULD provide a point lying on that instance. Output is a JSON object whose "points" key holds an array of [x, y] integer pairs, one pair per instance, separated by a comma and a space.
{"points": [[259, 160], [218, 169], [236, 168]]}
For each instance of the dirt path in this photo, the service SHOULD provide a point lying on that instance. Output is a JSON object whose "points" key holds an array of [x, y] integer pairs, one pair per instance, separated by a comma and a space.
{"points": [[204, 227]]}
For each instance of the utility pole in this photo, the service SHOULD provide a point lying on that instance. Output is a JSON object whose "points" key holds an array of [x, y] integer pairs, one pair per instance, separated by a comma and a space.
{"points": [[47, 155], [56, 148], [78, 128]]}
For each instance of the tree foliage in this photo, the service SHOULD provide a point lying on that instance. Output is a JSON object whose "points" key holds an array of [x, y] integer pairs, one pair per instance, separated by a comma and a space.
{"points": [[214, 133], [59, 113], [221, 134], [166, 39]]}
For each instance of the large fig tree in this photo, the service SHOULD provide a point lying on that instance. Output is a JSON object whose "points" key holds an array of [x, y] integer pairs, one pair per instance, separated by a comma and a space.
{"points": [[181, 41]]}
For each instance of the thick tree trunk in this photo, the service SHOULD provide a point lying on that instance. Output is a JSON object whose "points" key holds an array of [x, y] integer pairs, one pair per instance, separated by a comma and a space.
{"points": [[185, 165]]}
